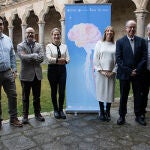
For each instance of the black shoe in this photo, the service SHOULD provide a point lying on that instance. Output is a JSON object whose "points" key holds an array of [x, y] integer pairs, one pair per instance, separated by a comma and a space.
{"points": [[121, 120], [140, 120], [62, 115], [108, 117], [56, 114], [102, 117], [39, 117], [25, 120]]}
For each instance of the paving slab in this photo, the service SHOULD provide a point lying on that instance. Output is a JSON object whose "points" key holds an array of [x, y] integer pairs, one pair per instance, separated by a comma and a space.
{"points": [[78, 132]]}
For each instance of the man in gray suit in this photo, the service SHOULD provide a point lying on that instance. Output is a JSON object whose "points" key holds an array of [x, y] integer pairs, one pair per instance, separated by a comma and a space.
{"points": [[31, 55]]}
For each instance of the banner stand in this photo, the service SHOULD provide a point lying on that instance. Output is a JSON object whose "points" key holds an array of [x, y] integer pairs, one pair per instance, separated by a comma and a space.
{"points": [[84, 27]]}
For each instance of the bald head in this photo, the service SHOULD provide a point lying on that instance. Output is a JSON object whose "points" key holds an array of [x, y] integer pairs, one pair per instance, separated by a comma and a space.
{"points": [[131, 28], [30, 34], [29, 29]]}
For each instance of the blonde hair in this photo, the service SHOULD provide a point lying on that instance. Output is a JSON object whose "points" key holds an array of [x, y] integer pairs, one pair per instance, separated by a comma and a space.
{"points": [[104, 37], [55, 29]]}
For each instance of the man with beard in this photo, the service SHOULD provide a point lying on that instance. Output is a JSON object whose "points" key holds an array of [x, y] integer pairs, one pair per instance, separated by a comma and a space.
{"points": [[31, 55], [7, 76]]}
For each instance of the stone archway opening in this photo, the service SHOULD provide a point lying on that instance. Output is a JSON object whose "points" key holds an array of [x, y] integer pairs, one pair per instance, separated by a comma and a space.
{"points": [[52, 20], [16, 31], [32, 21], [121, 12], [6, 27]]}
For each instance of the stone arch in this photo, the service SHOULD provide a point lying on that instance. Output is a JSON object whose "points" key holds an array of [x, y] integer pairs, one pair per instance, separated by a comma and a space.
{"points": [[141, 4], [43, 12], [16, 30], [124, 15], [26, 14], [51, 20], [32, 21]]}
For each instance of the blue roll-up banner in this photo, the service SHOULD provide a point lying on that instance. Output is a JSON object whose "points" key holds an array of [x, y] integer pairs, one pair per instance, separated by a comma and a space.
{"points": [[85, 25]]}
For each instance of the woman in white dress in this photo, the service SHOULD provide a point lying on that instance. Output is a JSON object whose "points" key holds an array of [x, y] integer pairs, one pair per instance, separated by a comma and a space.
{"points": [[104, 64]]}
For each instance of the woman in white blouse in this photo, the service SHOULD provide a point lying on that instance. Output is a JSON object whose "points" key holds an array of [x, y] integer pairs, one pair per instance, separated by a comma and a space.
{"points": [[104, 64], [58, 56]]}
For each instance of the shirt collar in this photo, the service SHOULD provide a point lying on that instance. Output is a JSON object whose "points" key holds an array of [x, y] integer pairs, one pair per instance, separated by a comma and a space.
{"points": [[1, 35], [130, 39]]}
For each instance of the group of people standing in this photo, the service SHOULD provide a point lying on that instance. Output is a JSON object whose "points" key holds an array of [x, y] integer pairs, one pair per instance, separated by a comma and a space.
{"points": [[128, 59], [31, 56]]}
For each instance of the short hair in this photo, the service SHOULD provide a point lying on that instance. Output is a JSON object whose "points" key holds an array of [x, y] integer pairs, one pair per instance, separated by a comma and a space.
{"points": [[127, 22], [104, 36], [55, 29]]}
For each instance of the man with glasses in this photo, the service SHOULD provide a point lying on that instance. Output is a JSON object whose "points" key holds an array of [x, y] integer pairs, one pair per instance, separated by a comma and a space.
{"points": [[7, 76], [31, 55], [131, 61]]}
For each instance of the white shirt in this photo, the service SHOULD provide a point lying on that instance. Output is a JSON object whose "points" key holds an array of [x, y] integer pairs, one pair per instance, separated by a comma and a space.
{"points": [[52, 54], [131, 40]]}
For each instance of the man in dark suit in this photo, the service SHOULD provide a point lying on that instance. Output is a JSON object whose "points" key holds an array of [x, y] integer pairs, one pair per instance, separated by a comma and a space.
{"points": [[146, 80], [131, 61]]}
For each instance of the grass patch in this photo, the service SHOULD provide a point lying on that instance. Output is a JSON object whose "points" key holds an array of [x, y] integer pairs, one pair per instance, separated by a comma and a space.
{"points": [[46, 104]]}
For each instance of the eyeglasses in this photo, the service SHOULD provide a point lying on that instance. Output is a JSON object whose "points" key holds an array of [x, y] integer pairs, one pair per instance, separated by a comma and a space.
{"points": [[30, 32], [131, 27]]}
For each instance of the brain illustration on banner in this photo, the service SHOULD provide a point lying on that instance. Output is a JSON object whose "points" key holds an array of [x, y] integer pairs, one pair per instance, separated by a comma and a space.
{"points": [[85, 35]]}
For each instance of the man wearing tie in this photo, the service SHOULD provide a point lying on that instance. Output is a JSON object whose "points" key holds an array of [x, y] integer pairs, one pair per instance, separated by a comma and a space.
{"points": [[131, 60]]}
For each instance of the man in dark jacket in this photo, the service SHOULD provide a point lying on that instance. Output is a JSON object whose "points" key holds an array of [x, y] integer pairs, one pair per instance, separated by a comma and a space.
{"points": [[131, 61]]}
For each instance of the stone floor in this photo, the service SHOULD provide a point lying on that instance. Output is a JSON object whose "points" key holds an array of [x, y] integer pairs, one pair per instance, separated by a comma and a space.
{"points": [[78, 132]]}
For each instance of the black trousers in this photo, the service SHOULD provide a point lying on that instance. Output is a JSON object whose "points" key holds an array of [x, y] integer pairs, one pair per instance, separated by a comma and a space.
{"points": [[145, 86], [57, 80], [35, 85], [124, 92]]}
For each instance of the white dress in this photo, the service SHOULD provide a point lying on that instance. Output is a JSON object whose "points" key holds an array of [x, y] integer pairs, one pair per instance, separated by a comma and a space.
{"points": [[104, 59]]}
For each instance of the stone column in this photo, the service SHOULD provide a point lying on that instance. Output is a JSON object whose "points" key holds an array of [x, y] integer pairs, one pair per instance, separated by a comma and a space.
{"points": [[23, 26], [10, 29], [41, 33], [140, 17], [62, 21]]}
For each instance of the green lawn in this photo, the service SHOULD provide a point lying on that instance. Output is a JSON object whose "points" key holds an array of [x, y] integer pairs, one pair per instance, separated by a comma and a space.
{"points": [[46, 105]]}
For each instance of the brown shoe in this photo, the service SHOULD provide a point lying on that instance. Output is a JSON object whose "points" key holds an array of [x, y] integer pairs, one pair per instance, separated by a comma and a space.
{"points": [[16, 123]]}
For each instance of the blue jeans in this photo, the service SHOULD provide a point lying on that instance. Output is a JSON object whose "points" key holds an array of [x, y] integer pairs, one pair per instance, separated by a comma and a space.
{"points": [[8, 82]]}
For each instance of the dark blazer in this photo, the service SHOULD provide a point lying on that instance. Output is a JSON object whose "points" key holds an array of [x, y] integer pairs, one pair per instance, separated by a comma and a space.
{"points": [[146, 40], [126, 60]]}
